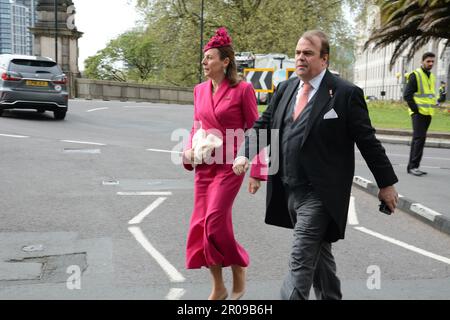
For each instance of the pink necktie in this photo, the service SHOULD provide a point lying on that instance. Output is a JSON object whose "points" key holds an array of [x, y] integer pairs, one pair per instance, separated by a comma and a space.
{"points": [[303, 101]]}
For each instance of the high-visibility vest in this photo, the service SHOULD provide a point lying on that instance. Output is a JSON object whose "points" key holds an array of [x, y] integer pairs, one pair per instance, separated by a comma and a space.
{"points": [[425, 96], [407, 74]]}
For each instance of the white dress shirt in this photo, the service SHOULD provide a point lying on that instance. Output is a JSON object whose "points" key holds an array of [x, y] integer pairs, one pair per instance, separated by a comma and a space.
{"points": [[315, 84]]}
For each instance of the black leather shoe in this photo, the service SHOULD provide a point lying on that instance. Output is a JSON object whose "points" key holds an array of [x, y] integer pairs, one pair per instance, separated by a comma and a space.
{"points": [[415, 172]]}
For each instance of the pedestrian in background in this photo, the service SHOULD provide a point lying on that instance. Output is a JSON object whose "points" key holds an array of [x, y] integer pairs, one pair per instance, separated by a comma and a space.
{"points": [[222, 102], [317, 118], [442, 93], [420, 94]]}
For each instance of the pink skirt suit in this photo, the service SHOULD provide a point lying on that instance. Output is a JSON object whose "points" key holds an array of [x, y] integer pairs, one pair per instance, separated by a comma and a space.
{"points": [[210, 239]]}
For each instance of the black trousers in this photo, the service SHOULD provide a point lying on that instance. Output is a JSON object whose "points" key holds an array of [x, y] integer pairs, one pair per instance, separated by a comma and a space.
{"points": [[311, 262], [420, 125]]}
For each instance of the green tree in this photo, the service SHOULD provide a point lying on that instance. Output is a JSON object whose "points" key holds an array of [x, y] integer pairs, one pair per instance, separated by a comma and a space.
{"points": [[410, 24], [131, 56], [101, 67], [261, 26]]}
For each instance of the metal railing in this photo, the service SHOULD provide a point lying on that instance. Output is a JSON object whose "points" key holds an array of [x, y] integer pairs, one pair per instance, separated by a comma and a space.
{"points": [[392, 92]]}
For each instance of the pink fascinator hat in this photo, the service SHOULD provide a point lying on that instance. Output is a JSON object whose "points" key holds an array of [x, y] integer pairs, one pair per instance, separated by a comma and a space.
{"points": [[219, 40]]}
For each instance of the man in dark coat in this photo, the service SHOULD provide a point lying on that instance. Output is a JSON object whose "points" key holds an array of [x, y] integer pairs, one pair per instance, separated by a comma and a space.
{"points": [[315, 119]]}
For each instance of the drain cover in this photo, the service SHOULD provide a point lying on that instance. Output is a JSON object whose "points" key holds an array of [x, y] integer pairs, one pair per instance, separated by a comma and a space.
{"points": [[33, 248], [39, 270], [110, 183]]}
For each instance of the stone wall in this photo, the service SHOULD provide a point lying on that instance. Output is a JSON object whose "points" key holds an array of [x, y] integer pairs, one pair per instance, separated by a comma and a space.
{"points": [[122, 91]]}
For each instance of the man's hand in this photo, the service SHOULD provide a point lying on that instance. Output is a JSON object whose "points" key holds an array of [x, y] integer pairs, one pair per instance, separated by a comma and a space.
{"points": [[240, 165], [390, 196], [253, 185]]}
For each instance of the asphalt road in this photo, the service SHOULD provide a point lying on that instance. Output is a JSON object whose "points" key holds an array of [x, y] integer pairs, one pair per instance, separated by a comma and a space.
{"points": [[432, 189], [87, 196]]}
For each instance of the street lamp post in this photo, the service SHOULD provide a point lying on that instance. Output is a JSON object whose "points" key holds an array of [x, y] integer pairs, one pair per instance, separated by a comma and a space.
{"points": [[56, 30], [201, 43], [383, 92]]}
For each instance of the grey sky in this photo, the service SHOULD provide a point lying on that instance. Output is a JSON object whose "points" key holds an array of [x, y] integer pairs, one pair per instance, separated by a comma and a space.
{"points": [[101, 21]]}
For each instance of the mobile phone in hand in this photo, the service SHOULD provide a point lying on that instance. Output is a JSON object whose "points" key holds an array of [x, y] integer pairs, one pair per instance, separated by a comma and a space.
{"points": [[384, 208]]}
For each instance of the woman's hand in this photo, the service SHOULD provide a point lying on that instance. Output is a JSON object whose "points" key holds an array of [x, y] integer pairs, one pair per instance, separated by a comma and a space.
{"points": [[240, 165], [253, 185]]}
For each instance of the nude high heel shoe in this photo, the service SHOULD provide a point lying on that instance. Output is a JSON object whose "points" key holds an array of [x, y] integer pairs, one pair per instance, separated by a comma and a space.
{"points": [[236, 295], [223, 296]]}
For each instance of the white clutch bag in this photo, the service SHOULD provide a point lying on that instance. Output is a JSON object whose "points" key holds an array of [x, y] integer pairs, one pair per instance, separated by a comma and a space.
{"points": [[203, 145]]}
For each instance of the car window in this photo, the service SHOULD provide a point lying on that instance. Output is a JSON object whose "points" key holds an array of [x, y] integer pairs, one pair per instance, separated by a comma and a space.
{"points": [[34, 66]]}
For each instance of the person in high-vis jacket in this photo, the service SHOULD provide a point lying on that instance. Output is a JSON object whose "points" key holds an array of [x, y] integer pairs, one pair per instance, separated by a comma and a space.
{"points": [[420, 94], [442, 93]]}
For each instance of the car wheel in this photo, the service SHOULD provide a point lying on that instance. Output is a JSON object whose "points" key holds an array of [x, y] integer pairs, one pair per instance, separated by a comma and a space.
{"points": [[59, 115], [1, 112]]}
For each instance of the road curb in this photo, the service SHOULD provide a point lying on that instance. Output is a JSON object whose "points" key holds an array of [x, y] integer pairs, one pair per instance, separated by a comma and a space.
{"points": [[408, 133], [414, 208], [429, 144]]}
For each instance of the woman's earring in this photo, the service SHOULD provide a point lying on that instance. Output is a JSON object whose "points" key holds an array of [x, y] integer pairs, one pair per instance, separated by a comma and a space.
{"points": [[225, 71]]}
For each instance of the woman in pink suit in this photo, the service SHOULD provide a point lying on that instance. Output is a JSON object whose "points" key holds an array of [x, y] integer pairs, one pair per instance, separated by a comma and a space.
{"points": [[222, 105]]}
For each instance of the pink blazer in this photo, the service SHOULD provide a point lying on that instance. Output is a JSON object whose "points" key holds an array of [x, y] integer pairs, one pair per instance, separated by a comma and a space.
{"points": [[230, 111]]}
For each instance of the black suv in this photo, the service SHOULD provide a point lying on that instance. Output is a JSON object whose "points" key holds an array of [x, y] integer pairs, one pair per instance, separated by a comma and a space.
{"points": [[30, 82]]}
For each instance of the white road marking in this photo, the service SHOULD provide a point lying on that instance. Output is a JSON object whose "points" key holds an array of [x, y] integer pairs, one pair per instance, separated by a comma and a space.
{"points": [[91, 101], [168, 268], [145, 193], [96, 109], [407, 156], [404, 245], [13, 136], [141, 216], [90, 151], [165, 151], [84, 142], [131, 107], [352, 217], [175, 294], [158, 106], [402, 165]]}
